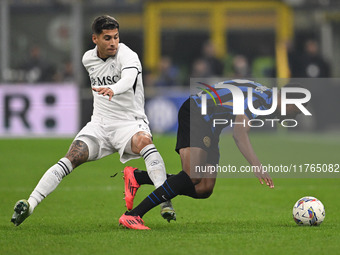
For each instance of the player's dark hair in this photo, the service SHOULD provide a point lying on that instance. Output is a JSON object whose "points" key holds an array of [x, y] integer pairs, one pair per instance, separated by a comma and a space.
{"points": [[104, 22]]}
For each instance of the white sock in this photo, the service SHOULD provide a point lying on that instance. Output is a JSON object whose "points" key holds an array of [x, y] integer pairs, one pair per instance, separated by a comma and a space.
{"points": [[49, 182], [154, 164]]}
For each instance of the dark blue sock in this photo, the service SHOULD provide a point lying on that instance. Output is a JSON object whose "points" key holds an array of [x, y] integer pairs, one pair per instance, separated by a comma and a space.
{"points": [[179, 184]]}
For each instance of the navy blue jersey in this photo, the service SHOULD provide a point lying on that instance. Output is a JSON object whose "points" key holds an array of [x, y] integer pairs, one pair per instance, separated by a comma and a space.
{"points": [[220, 104]]}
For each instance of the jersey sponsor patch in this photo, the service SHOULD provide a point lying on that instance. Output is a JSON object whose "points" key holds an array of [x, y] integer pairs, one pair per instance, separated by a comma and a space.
{"points": [[104, 80]]}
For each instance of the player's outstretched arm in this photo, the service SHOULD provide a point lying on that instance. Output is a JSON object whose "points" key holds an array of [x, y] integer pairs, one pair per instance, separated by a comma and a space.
{"points": [[126, 82], [240, 135]]}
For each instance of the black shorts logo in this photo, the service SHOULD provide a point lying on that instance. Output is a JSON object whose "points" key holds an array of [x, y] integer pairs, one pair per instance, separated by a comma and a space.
{"points": [[207, 141]]}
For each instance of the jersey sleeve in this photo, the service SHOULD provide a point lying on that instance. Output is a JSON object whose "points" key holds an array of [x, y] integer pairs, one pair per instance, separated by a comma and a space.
{"points": [[128, 79], [130, 68], [86, 60], [129, 59]]}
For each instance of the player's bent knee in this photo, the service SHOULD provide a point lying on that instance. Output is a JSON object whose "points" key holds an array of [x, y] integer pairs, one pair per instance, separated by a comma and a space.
{"points": [[81, 150], [204, 195], [139, 141], [144, 140], [204, 191]]}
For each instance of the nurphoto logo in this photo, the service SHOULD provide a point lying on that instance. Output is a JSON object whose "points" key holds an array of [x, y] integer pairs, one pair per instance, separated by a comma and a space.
{"points": [[238, 103]]}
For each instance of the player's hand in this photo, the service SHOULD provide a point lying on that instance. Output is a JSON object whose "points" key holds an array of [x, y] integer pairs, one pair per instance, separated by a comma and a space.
{"points": [[104, 91], [264, 176]]}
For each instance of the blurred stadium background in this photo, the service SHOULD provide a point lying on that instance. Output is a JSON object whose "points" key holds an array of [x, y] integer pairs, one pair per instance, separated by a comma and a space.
{"points": [[45, 91]]}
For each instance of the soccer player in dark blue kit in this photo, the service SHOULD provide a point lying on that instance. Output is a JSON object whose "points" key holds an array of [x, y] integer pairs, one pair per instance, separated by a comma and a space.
{"points": [[197, 144]]}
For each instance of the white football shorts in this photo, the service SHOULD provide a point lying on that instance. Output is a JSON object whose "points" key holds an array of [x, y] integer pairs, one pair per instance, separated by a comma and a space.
{"points": [[104, 137]]}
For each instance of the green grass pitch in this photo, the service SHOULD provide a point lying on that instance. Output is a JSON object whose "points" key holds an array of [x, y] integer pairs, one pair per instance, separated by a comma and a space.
{"points": [[241, 217]]}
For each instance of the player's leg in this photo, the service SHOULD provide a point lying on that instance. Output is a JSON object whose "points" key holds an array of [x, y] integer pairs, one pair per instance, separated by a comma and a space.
{"points": [[77, 154], [204, 184], [192, 145], [205, 181], [205, 188], [141, 143], [180, 184]]}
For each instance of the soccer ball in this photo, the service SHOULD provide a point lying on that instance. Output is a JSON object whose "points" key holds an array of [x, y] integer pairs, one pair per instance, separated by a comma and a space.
{"points": [[308, 211]]}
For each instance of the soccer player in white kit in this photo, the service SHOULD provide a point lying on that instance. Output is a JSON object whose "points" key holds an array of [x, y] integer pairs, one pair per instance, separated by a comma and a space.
{"points": [[118, 123]]}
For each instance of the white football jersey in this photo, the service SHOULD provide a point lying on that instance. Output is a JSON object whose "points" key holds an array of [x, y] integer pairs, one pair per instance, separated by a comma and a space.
{"points": [[128, 105]]}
